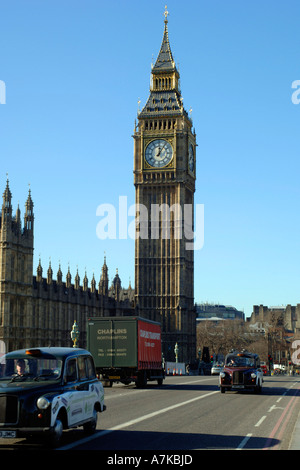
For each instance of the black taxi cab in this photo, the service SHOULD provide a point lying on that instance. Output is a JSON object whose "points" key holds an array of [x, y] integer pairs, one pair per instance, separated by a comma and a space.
{"points": [[241, 371], [46, 390]]}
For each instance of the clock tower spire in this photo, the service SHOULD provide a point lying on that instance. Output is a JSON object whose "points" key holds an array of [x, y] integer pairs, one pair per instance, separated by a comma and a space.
{"points": [[164, 179], [165, 59]]}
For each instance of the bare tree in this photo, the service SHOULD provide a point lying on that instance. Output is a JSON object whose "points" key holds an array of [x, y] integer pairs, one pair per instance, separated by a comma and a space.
{"points": [[220, 337]]}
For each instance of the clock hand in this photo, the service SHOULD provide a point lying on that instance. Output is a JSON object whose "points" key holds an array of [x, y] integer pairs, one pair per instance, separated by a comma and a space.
{"points": [[161, 150]]}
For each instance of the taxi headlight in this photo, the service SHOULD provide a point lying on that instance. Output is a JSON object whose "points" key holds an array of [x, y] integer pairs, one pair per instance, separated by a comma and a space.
{"points": [[43, 403], [222, 375], [253, 375]]}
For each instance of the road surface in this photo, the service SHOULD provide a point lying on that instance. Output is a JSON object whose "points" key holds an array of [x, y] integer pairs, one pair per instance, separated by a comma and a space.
{"points": [[188, 413]]}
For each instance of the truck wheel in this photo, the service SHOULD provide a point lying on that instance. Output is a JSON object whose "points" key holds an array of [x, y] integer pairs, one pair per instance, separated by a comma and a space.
{"points": [[142, 379], [160, 381]]}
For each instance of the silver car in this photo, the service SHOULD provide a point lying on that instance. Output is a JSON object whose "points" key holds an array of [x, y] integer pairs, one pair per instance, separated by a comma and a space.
{"points": [[216, 368]]}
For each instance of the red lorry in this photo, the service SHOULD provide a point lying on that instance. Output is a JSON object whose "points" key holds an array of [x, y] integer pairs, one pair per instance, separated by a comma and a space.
{"points": [[126, 349], [264, 368]]}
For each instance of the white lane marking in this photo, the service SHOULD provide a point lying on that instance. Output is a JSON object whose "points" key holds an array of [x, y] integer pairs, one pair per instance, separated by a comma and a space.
{"points": [[274, 407], [260, 421], [135, 421], [244, 442]]}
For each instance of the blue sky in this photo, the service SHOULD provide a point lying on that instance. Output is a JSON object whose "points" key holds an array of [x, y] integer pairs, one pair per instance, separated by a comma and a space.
{"points": [[74, 72]]}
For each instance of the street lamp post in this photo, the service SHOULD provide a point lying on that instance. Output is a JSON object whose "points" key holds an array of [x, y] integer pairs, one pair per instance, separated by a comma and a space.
{"points": [[75, 334], [176, 349]]}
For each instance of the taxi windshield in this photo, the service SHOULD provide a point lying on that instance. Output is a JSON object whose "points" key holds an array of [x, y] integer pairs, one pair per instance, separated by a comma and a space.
{"points": [[29, 368], [240, 361]]}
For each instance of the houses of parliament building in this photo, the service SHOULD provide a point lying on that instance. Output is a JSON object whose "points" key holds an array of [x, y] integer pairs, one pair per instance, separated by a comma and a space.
{"points": [[37, 310], [40, 309]]}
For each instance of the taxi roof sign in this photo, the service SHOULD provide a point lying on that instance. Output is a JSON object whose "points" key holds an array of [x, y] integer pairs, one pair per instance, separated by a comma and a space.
{"points": [[33, 352]]}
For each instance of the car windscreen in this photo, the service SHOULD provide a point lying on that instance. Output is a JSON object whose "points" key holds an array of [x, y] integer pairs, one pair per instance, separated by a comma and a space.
{"points": [[240, 361], [29, 368]]}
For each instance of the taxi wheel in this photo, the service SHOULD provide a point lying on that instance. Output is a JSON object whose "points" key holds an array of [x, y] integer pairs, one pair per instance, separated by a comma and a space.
{"points": [[57, 432], [90, 427]]}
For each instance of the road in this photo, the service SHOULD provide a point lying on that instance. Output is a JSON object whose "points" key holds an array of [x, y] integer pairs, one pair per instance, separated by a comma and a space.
{"points": [[189, 413]]}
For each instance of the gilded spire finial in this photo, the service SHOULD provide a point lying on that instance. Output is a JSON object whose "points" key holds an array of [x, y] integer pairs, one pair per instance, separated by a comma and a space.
{"points": [[166, 14]]}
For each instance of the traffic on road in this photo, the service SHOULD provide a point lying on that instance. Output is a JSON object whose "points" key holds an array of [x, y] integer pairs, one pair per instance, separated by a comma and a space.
{"points": [[56, 393], [185, 414]]}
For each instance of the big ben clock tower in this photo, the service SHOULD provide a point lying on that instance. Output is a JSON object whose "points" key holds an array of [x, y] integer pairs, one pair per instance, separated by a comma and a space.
{"points": [[164, 179]]}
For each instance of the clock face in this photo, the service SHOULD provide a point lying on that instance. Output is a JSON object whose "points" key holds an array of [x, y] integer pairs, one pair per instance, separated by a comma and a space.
{"points": [[159, 153], [191, 158]]}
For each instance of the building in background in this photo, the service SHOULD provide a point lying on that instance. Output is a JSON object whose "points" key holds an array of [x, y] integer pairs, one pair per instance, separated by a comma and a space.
{"points": [[286, 316], [164, 177], [208, 311], [37, 310]]}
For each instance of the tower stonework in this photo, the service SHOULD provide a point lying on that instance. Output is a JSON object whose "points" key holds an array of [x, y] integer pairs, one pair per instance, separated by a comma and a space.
{"points": [[164, 179], [16, 263]]}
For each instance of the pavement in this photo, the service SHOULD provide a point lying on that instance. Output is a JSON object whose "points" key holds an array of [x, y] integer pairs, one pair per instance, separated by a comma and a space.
{"points": [[295, 441]]}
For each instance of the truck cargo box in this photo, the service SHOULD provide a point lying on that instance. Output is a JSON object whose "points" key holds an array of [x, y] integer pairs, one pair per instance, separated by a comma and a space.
{"points": [[117, 342]]}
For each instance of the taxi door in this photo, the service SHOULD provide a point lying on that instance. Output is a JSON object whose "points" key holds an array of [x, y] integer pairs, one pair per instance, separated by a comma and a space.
{"points": [[74, 395], [85, 385]]}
